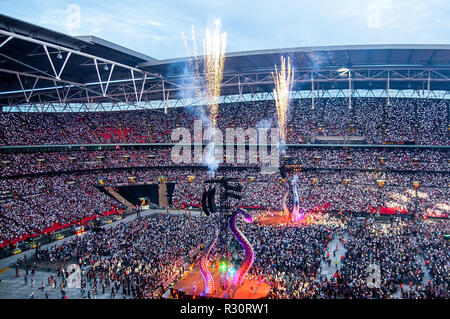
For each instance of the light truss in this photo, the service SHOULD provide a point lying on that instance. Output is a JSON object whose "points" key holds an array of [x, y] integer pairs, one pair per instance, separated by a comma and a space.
{"points": [[224, 99], [139, 89], [55, 76], [69, 51]]}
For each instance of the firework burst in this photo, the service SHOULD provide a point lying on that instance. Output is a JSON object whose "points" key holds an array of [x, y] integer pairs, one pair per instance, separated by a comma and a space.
{"points": [[208, 84], [214, 47], [283, 80]]}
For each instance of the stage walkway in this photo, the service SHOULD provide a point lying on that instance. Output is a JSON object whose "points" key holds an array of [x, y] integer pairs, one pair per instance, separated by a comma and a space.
{"points": [[329, 270]]}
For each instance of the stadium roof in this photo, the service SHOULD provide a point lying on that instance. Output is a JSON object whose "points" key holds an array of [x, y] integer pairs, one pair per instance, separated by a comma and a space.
{"points": [[325, 57], [41, 66], [409, 65], [87, 44]]}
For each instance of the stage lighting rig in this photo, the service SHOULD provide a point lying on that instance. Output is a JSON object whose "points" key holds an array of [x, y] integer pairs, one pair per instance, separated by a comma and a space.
{"points": [[232, 195], [209, 201], [232, 191], [212, 200], [231, 188], [205, 203]]}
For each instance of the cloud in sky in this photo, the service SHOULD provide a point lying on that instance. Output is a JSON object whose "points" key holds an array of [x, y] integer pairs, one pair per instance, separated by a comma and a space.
{"points": [[409, 16], [154, 28]]}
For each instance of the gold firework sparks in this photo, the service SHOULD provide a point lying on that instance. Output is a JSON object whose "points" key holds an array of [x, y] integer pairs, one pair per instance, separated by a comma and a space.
{"points": [[283, 84], [214, 47]]}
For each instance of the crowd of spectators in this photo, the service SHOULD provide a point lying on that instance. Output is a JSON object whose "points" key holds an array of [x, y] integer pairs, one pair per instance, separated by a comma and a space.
{"points": [[402, 121], [136, 258], [31, 205], [326, 191], [412, 259], [63, 187], [36, 202], [133, 258], [16, 164]]}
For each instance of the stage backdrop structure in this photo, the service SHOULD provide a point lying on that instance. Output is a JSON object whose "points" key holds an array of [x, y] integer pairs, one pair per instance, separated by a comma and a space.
{"points": [[296, 214], [225, 218]]}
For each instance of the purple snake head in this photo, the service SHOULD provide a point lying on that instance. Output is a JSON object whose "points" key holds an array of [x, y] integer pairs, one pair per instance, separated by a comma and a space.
{"points": [[247, 217]]}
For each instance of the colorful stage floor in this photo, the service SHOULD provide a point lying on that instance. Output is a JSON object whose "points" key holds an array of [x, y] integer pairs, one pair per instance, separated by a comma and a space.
{"points": [[272, 220], [276, 219], [250, 289]]}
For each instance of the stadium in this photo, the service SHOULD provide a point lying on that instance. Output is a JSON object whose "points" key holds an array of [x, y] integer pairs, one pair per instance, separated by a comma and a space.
{"points": [[120, 178]]}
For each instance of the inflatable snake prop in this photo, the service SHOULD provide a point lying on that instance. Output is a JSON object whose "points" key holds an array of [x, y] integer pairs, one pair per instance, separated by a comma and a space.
{"points": [[207, 277], [285, 207], [249, 254], [296, 208]]}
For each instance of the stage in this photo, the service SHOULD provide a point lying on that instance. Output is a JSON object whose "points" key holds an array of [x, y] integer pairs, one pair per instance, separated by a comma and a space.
{"points": [[250, 289], [272, 220], [277, 219]]}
